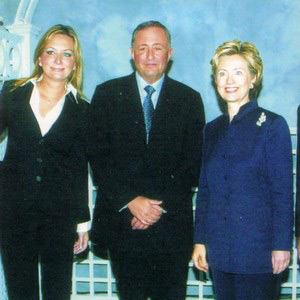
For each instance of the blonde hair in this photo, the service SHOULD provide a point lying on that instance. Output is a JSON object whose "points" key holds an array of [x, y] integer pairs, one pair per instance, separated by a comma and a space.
{"points": [[249, 52], [76, 77]]}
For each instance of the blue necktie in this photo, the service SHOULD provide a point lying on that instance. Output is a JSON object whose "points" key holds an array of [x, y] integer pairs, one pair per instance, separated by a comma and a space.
{"points": [[148, 109]]}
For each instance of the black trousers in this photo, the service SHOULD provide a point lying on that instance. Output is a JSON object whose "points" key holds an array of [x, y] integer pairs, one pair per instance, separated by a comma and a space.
{"points": [[157, 276], [229, 286], [32, 239]]}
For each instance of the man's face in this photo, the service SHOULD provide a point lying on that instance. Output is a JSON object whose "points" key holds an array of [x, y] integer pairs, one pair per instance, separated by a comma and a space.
{"points": [[151, 53]]}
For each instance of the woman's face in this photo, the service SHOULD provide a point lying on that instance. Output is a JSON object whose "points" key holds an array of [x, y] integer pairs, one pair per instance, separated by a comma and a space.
{"points": [[233, 79], [57, 60]]}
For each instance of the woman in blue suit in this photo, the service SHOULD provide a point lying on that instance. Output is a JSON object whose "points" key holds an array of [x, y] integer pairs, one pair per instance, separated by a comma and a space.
{"points": [[244, 214]]}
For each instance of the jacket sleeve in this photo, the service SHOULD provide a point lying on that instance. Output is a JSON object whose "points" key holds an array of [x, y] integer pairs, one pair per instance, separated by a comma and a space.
{"points": [[201, 201], [279, 175]]}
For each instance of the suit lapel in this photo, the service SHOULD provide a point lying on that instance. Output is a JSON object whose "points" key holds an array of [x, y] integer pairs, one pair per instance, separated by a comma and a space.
{"points": [[23, 113], [163, 110], [132, 108], [67, 118]]}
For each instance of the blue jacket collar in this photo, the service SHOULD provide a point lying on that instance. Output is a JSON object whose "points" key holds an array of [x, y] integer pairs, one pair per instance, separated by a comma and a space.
{"points": [[244, 110]]}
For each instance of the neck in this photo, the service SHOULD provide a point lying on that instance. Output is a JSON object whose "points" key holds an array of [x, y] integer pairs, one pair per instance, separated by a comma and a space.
{"points": [[52, 87], [51, 91]]}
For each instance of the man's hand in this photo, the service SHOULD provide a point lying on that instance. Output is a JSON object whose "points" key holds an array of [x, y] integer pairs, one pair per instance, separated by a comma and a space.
{"points": [[199, 257], [137, 224], [147, 211], [82, 242], [280, 260]]}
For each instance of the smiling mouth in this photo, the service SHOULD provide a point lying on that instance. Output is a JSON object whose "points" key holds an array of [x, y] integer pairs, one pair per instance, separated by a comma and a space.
{"points": [[57, 69], [231, 90]]}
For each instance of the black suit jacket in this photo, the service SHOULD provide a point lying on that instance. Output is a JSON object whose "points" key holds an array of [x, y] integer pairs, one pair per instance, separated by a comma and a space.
{"points": [[298, 178], [124, 166], [49, 173]]}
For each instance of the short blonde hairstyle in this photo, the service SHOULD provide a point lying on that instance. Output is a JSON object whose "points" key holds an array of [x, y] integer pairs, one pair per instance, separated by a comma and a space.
{"points": [[246, 50], [76, 77]]}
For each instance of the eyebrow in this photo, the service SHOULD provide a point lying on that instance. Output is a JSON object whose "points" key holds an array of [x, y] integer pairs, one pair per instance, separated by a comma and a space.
{"points": [[156, 44], [56, 49], [239, 68]]}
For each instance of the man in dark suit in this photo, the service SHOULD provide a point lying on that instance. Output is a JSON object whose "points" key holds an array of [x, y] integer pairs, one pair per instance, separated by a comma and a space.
{"points": [[145, 155], [297, 225]]}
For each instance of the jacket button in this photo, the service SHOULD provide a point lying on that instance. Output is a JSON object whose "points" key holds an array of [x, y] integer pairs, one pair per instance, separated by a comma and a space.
{"points": [[225, 177], [38, 178], [41, 141], [39, 160]]}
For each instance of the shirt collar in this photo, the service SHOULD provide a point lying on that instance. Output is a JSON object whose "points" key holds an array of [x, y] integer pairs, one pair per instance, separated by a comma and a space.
{"points": [[142, 83], [69, 87]]}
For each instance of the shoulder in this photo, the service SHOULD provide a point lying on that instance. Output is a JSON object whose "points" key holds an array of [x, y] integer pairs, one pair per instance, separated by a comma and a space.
{"points": [[272, 119], [11, 87], [116, 82], [83, 104], [184, 96], [215, 123], [109, 91], [11, 94], [179, 87]]}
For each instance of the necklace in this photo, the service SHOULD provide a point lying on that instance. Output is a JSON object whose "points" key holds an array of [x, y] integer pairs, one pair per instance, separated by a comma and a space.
{"points": [[50, 100]]}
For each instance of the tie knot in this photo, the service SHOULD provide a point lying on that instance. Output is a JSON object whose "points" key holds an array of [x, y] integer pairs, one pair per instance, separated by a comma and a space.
{"points": [[149, 89]]}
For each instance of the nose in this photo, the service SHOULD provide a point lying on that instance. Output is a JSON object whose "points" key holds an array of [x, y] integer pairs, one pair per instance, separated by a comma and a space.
{"points": [[230, 78], [58, 59], [150, 54]]}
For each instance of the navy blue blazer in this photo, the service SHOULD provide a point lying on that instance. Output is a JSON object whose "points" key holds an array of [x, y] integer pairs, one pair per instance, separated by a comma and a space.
{"points": [[244, 204]]}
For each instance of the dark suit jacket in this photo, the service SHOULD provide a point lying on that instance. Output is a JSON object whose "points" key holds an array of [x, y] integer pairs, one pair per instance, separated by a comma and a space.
{"points": [[49, 173], [124, 166], [245, 204], [297, 225]]}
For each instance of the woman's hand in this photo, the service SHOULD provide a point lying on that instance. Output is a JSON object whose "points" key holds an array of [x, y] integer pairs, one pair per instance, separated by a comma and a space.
{"points": [[199, 257], [82, 242], [298, 246], [280, 260]]}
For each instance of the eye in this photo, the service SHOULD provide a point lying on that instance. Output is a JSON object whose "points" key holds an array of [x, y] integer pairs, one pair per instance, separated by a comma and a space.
{"points": [[49, 52], [221, 74], [239, 72], [68, 54], [157, 48]]}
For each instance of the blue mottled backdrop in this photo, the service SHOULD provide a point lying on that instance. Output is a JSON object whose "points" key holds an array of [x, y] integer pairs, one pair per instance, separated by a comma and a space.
{"points": [[198, 27]]}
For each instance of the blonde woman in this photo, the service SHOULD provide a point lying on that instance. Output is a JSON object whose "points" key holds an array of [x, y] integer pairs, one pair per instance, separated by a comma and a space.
{"points": [[44, 172]]}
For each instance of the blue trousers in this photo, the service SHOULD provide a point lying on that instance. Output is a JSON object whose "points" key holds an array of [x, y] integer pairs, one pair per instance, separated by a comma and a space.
{"points": [[229, 286]]}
